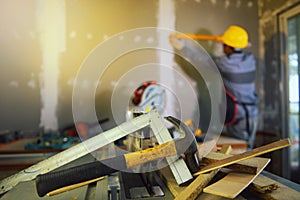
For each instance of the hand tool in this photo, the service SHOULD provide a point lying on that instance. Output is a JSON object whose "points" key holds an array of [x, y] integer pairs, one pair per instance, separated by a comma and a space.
{"points": [[54, 180], [178, 166], [195, 188], [81, 149], [191, 158], [197, 37]]}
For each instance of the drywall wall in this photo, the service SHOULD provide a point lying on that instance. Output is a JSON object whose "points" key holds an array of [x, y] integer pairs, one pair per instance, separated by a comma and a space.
{"points": [[20, 62], [29, 101]]}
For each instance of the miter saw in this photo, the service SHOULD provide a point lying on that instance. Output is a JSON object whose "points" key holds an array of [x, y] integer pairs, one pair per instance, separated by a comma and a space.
{"points": [[148, 96]]}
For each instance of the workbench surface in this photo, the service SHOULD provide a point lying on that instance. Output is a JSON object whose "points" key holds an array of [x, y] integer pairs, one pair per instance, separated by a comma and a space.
{"points": [[27, 190]]}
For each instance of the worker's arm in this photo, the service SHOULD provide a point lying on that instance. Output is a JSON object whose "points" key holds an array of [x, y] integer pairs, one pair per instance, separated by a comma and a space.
{"points": [[192, 51]]}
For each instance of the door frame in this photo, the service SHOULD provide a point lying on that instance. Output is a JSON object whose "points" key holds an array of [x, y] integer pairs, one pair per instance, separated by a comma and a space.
{"points": [[283, 84]]}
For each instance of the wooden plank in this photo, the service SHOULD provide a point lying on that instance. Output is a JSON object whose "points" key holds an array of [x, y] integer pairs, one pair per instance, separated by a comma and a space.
{"points": [[238, 146], [246, 155], [175, 189], [235, 182], [247, 166], [195, 188], [72, 187], [207, 196], [283, 192], [226, 149], [263, 184], [167, 177]]}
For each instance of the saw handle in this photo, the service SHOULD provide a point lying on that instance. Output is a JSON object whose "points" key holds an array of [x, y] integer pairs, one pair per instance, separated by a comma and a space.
{"points": [[46, 183]]}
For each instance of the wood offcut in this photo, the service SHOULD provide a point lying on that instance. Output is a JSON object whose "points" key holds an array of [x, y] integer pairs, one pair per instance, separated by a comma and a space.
{"points": [[246, 155], [235, 182], [247, 166], [267, 188], [195, 188], [74, 186]]}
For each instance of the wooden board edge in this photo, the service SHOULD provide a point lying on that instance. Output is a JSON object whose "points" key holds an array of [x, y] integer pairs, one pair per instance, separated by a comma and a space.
{"points": [[249, 177]]}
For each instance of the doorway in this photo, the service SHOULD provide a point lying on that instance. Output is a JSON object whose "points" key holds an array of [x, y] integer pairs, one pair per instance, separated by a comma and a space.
{"points": [[290, 29]]}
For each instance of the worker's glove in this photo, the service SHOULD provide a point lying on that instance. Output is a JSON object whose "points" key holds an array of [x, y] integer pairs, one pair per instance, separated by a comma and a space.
{"points": [[176, 42]]}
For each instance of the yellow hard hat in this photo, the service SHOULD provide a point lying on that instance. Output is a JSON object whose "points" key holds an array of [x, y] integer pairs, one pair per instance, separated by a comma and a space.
{"points": [[235, 36]]}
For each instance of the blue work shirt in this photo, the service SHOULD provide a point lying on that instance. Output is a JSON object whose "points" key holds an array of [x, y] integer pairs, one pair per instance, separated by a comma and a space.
{"points": [[238, 74], [237, 71]]}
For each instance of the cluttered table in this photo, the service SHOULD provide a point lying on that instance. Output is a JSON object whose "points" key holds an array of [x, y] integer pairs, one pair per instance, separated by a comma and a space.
{"points": [[114, 186], [14, 156]]}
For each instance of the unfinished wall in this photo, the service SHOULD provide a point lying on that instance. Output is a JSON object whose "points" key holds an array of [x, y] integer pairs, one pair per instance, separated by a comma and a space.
{"points": [[88, 23], [20, 62]]}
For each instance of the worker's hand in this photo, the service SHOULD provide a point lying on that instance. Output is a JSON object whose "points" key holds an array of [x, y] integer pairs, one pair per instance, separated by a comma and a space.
{"points": [[177, 43]]}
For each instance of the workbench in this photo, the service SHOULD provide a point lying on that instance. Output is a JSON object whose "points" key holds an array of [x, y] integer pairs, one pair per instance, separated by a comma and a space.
{"points": [[117, 184], [14, 157], [238, 146], [100, 190]]}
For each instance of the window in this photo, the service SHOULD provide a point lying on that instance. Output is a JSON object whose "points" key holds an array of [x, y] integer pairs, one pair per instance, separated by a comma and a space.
{"points": [[293, 37]]}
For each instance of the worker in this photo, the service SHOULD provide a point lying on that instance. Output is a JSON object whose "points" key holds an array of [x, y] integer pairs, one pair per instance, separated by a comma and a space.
{"points": [[237, 68]]}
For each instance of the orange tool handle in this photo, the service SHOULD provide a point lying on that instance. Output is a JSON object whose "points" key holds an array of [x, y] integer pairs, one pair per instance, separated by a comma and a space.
{"points": [[197, 37]]}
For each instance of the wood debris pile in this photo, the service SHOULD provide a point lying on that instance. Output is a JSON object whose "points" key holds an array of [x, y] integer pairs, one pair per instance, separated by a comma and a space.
{"points": [[242, 173]]}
